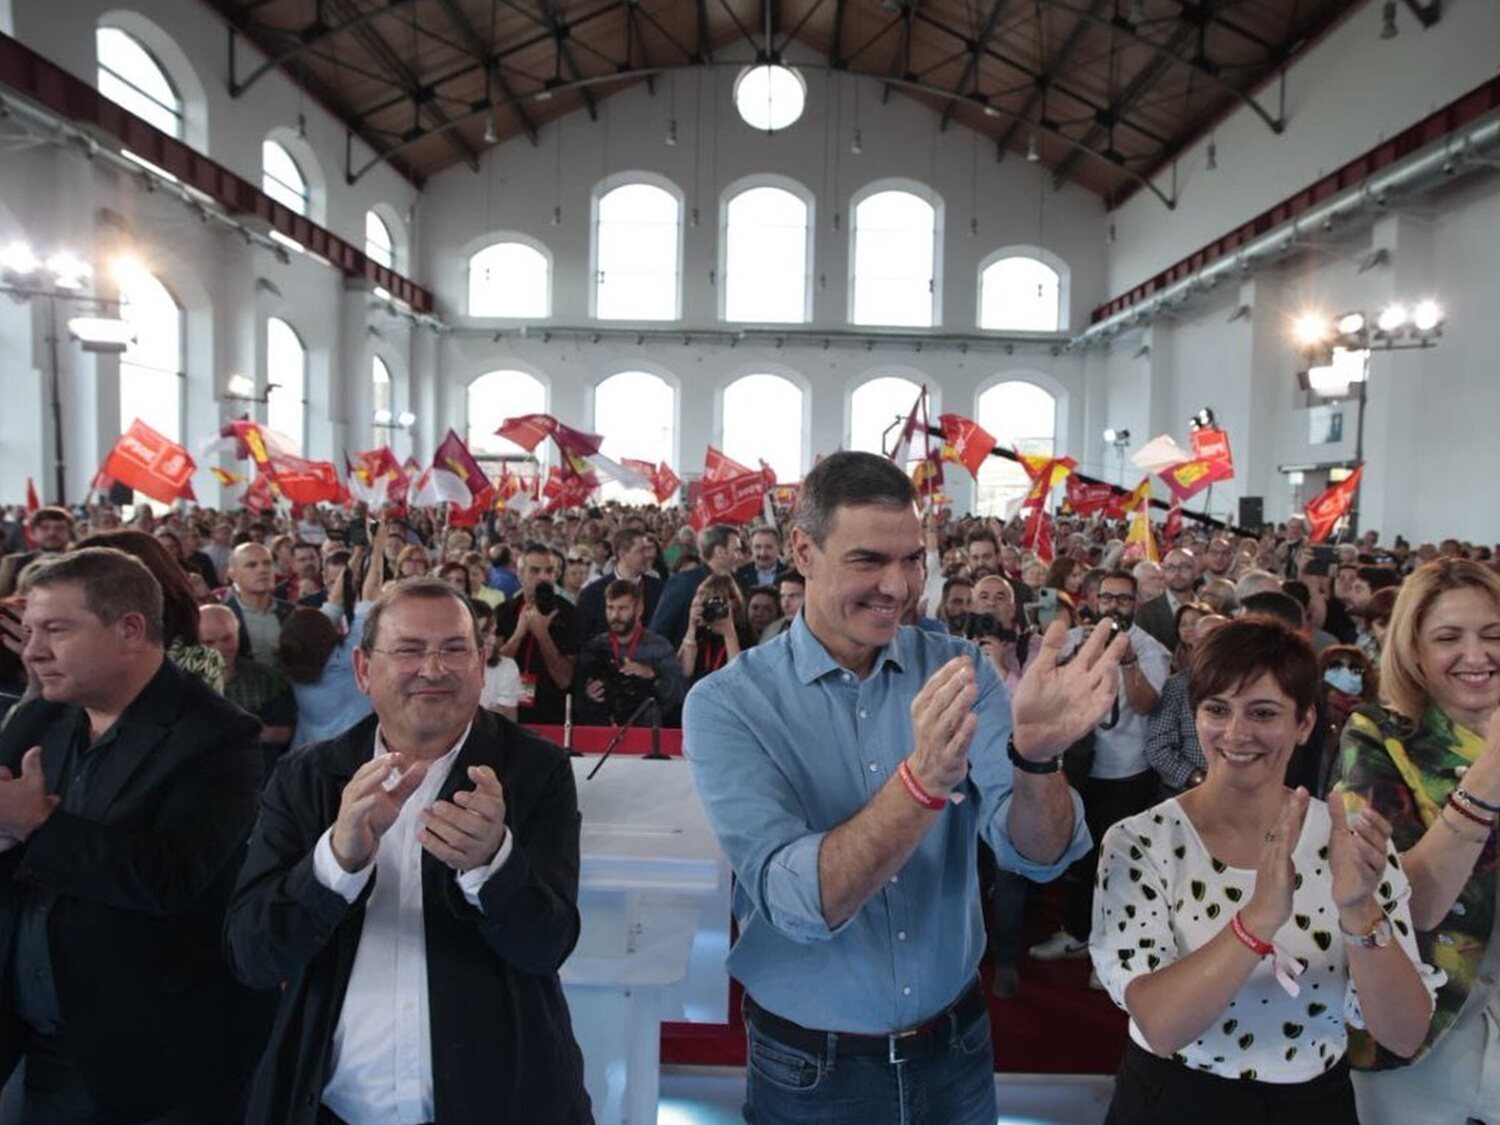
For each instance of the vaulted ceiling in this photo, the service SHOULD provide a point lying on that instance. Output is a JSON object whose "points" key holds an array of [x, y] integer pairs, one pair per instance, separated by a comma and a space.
{"points": [[1104, 93]]}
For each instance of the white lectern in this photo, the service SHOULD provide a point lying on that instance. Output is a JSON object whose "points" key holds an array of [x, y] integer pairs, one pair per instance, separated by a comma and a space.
{"points": [[654, 900]]}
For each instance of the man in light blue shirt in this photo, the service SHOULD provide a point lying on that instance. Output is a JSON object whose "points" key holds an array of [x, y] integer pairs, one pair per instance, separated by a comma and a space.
{"points": [[848, 768]]}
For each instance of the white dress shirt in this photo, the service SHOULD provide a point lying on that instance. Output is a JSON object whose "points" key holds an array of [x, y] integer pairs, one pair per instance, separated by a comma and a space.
{"points": [[381, 1069]]}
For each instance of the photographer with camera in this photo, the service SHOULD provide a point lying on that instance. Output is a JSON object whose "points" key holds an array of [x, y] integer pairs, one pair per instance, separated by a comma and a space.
{"points": [[542, 638], [620, 667], [717, 632], [994, 625]]}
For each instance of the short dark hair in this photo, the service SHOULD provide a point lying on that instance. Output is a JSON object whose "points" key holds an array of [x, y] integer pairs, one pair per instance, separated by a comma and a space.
{"points": [[791, 578], [717, 535], [113, 583], [765, 529], [425, 588], [50, 513], [1116, 575], [1247, 648], [1298, 589], [849, 479], [179, 612], [622, 588], [951, 583], [307, 640], [982, 535], [1274, 603], [304, 545], [1379, 577], [625, 538]]}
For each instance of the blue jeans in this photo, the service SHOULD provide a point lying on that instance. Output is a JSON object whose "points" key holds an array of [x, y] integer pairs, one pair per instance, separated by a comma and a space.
{"points": [[952, 1085]]}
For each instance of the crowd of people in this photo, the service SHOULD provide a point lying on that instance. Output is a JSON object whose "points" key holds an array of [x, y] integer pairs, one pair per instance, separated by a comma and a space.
{"points": [[1266, 772]]}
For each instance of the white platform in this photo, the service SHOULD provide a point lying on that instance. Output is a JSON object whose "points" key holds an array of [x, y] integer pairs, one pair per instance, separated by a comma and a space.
{"points": [[654, 900]]}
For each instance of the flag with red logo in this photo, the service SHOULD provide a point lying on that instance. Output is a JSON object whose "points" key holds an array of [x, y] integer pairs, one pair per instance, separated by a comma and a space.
{"points": [[1325, 510], [300, 480], [665, 483], [716, 466], [259, 497], [151, 463], [1212, 444], [1192, 477], [966, 442]]}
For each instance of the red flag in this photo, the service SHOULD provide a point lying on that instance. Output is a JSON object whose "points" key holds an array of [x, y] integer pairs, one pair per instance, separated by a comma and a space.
{"points": [[1191, 477], [665, 483], [470, 516], [258, 497], [454, 456], [299, 479], [718, 467], [33, 502], [1044, 479], [529, 430], [1037, 536], [1124, 504], [1085, 498], [1327, 508], [734, 499], [150, 463], [1212, 444], [971, 444], [901, 452], [564, 489], [1173, 527]]}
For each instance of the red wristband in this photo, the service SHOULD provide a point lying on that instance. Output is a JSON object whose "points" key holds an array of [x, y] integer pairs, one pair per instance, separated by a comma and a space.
{"points": [[1486, 822], [1249, 940], [918, 794]]}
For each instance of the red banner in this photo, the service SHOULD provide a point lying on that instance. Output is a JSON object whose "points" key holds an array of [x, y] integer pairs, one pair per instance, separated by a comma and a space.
{"points": [[258, 497], [665, 483], [1037, 536], [1212, 444], [1327, 508], [970, 444], [1085, 499], [1192, 477], [718, 467], [150, 463], [731, 500], [529, 430]]}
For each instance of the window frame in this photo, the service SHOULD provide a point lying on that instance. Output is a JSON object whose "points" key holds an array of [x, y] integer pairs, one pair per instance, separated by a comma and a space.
{"points": [[503, 238], [788, 374], [809, 201], [603, 188], [933, 198], [1035, 253], [178, 111], [299, 438], [180, 371]]}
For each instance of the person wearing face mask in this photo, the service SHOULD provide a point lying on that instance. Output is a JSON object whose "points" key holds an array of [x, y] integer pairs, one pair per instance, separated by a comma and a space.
{"points": [[1349, 681], [1121, 781], [1429, 761], [1247, 927]]}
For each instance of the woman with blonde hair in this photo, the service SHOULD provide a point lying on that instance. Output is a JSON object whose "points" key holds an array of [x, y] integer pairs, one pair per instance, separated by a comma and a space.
{"points": [[1429, 762]]}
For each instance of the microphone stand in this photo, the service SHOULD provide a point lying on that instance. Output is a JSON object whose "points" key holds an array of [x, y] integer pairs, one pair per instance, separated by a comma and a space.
{"points": [[619, 735], [656, 753]]}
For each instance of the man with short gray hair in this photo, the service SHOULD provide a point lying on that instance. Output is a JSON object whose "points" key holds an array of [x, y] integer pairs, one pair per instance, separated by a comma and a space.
{"points": [[127, 793]]}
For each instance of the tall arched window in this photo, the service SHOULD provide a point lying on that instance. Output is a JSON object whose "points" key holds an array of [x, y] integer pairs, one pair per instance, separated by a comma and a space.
{"points": [[635, 412], [874, 407], [494, 397], [380, 390], [894, 278], [380, 247], [286, 382], [766, 257], [763, 421], [637, 251], [130, 77], [281, 178], [1020, 293], [151, 369], [1020, 416], [510, 279]]}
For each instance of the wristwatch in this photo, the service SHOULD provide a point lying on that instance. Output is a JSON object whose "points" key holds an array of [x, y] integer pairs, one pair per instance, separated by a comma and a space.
{"points": [[1378, 938], [1026, 765]]}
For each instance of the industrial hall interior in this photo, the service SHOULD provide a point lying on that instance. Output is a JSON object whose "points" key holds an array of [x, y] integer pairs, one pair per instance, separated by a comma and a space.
{"points": [[841, 561]]}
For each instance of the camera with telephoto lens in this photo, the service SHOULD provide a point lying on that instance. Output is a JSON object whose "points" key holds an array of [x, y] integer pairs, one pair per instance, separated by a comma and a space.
{"points": [[623, 693], [977, 625], [715, 609], [544, 598]]}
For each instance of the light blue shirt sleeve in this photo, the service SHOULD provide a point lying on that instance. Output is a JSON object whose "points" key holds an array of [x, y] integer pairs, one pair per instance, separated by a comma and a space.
{"points": [[992, 775], [756, 813]]}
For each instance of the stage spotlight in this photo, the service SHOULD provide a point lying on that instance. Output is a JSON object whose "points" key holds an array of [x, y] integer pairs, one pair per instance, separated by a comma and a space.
{"points": [[18, 259], [1311, 329], [1426, 317], [1351, 324]]}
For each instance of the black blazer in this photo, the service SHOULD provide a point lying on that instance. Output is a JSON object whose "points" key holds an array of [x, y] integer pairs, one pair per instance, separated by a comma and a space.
{"points": [[502, 1042], [142, 877], [1156, 617], [749, 578]]}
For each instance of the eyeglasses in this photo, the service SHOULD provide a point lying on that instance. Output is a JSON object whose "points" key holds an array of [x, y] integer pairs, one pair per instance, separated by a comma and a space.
{"points": [[452, 658], [1116, 599]]}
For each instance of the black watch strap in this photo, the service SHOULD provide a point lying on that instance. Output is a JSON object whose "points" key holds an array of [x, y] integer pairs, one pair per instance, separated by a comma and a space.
{"points": [[1051, 765]]}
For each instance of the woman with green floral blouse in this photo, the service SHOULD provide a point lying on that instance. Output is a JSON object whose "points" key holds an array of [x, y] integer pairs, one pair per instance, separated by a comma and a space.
{"points": [[1429, 762]]}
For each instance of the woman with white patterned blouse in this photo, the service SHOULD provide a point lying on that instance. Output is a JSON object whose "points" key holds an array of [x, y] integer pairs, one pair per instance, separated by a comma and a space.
{"points": [[1241, 924]]}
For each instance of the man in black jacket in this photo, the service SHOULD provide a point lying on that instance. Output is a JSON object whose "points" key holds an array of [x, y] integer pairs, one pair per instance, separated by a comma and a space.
{"points": [[414, 883], [126, 796]]}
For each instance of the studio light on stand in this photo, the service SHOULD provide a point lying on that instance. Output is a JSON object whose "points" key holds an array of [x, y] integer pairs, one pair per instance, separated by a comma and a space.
{"points": [[1118, 440]]}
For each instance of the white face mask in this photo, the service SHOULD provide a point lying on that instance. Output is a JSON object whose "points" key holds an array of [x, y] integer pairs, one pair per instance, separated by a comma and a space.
{"points": [[1347, 680]]}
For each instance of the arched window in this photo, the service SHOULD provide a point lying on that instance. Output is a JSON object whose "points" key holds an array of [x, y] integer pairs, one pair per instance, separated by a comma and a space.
{"points": [[894, 279], [1020, 416], [637, 241], [766, 259], [151, 369], [380, 390], [286, 382], [281, 178], [1020, 293], [875, 406], [130, 77], [763, 421], [635, 412], [380, 247], [510, 279], [493, 397]]}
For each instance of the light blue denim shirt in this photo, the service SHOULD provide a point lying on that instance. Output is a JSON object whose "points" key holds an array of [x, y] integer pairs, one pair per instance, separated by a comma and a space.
{"points": [[786, 745]]}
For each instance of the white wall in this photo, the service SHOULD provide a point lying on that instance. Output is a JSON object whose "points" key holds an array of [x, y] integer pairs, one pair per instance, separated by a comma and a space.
{"points": [[1343, 97]]}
